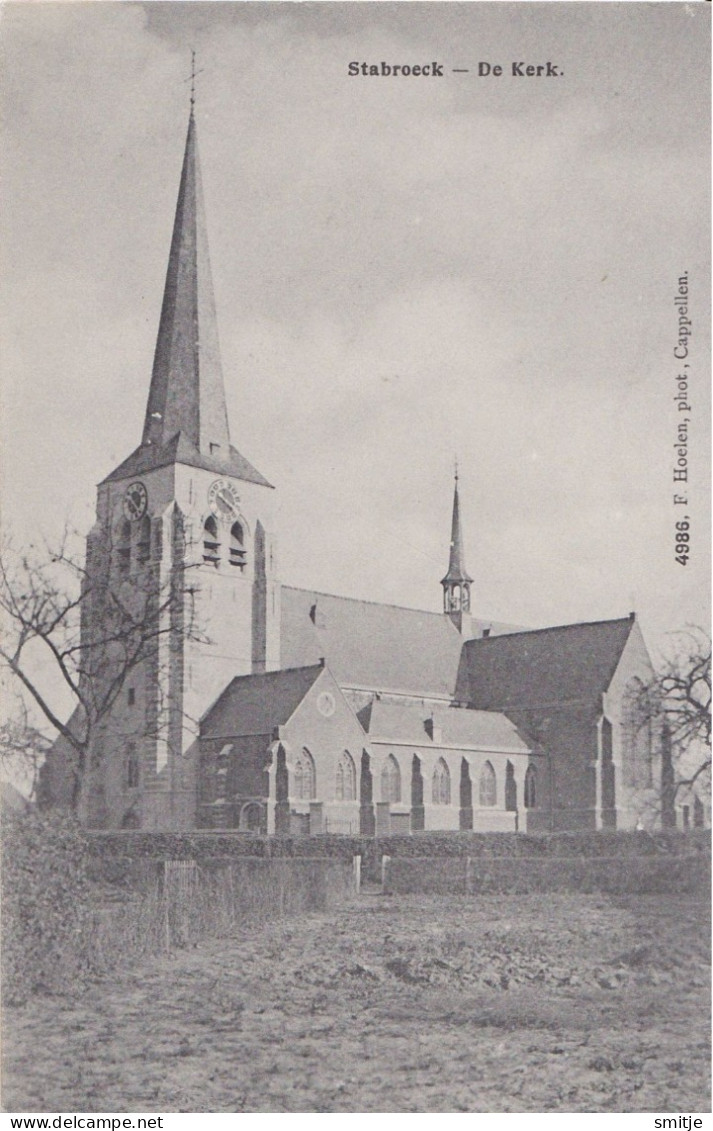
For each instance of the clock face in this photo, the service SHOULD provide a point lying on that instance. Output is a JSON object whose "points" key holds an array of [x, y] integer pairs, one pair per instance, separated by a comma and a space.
{"points": [[135, 501], [223, 499]]}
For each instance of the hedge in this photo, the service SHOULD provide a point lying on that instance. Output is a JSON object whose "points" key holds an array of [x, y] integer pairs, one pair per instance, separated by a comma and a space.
{"points": [[674, 873], [200, 846]]}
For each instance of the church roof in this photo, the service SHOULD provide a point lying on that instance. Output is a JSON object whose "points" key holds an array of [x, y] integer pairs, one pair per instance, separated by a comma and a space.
{"points": [[371, 645], [459, 727], [256, 704], [548, 666], [179, 449]]}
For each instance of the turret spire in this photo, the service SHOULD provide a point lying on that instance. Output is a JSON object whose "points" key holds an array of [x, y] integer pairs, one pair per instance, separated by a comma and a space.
{"points": [[187, 393], [456, 583]]}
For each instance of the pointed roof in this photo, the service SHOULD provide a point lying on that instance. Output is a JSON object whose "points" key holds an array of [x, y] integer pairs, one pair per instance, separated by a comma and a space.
{"points": [[544, 667], [456, 562], [179, 449], [256, 704], [187, 393], [186, 418]]}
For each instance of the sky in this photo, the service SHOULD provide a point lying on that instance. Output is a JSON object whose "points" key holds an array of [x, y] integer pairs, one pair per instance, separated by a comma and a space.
{"points": [[406, 270]]}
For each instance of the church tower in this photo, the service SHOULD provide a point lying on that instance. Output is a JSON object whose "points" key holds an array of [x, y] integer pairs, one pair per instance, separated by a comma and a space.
{"points": [[457, 581], [186, 525]]}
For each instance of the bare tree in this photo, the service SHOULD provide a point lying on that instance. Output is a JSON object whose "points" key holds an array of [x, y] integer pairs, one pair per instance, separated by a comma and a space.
{"points": [[677, 700], [23, 747], [72, 635]]}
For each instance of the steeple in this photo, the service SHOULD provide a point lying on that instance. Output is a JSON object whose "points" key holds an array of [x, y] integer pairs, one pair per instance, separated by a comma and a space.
{"points": [[187, 393], [456, 583], [186, 419]]}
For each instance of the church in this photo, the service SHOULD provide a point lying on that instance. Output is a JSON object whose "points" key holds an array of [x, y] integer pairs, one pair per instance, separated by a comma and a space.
{"points": [[290, 711]]}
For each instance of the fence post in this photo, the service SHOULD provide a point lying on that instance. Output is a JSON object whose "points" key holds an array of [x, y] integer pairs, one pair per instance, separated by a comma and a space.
{"points": [[166, 907], [385, 861], [356, 863], [467, 875]]}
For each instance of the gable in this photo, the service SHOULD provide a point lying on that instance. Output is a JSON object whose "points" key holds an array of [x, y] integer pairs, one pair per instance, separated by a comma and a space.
{"points": [[566, 664], [324, 722], [257, 704]]}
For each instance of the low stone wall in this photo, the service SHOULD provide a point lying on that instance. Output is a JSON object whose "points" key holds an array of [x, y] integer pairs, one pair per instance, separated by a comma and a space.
{"points": [[641, 874]]}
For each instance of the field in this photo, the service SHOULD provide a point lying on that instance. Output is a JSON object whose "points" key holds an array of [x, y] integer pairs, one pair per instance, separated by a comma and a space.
{"points": [[406, 1004]]}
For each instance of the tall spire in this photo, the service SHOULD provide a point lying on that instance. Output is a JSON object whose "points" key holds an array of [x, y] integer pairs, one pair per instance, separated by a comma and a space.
{"points": [[456, 583], [187, 393]]}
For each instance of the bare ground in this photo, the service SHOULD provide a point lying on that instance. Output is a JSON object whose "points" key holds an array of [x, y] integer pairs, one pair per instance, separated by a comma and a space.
{"points": [[407, 1004]]}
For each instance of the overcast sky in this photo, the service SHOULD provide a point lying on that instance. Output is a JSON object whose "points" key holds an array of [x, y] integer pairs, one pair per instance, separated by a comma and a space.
{"points": [[405, 269]]}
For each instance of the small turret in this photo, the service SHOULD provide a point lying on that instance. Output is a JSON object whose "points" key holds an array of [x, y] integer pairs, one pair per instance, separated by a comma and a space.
{"points": [[457, 581]]}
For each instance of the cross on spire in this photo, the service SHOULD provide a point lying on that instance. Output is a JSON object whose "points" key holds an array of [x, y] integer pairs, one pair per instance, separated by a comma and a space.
{"points": [[192, 77]]}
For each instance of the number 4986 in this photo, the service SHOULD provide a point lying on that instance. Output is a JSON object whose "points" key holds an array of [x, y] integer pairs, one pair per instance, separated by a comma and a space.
{"points": [[683, 539]]}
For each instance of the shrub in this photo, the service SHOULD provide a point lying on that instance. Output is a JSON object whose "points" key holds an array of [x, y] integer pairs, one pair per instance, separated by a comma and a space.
{"points": [[46, 912]]}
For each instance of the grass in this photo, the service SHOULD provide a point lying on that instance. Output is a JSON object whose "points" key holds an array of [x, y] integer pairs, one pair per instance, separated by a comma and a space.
{"points": [[397, 1003]]}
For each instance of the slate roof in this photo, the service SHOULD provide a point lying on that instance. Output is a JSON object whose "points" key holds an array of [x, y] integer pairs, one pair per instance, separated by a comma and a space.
{"points": [[370, 645], [186, 392], [179, 449], [572, 662], [460, 727], [256, 704]]}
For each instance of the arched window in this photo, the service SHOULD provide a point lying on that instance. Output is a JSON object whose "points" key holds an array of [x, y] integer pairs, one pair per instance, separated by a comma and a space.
{"points": [[531, 788], [487, 786], [305, 784], [391, 780], [211, 544], [441, 784], [238, 555], [124, 547], [636, 717], [143, 545], [346, 778], [510, 788], [132, 770]]}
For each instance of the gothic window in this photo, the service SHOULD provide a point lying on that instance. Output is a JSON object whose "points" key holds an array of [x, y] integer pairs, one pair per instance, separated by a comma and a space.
{"points": [[391, 780], [487, 785], [305, 783], [211, 543], [530, 788], [346, 778], [124, 547], [636, 718], [510, 788], [238, 554], [441, 784], [143, 546], [132, 770]]}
